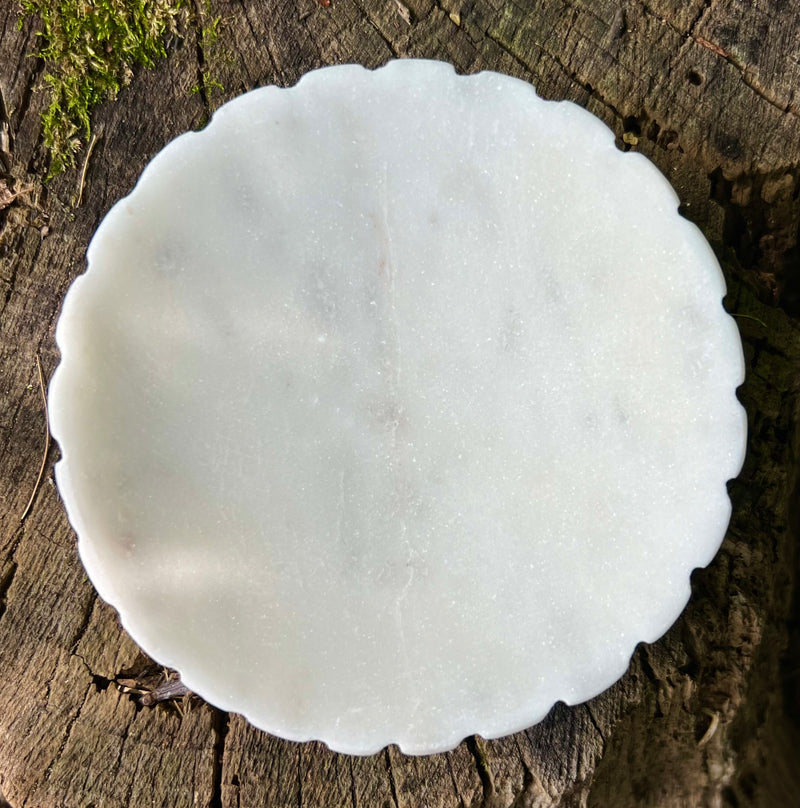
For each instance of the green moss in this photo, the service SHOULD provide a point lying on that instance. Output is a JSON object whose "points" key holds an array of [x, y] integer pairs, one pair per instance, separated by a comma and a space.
{"points": [[212, 53], [90, 48]]}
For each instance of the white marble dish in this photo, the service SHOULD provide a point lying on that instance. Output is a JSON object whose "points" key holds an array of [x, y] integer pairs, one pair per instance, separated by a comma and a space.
{"points": [[397, 406]]}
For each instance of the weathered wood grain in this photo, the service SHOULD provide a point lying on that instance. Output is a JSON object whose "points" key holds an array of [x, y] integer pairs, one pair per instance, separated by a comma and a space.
{"points": [[709, 91]]}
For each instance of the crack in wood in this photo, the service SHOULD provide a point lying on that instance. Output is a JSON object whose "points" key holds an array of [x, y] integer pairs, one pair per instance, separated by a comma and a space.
{"points": [[100, 682], [532, 794], [299, 776], [220, 724], [588, 11], [10, 571], [690, 37], [196, 17], [526, 68], [353, 794], [651, 12], [279, 75], [594, 722], [390, 771], [5, 584], [30, 87], [12, 281], [10, 429], [699, 17], [389, 44], [117, 766], [647, 668], [476, 749], [573, 77], [750, 82], [86, 618], [6, 21], [48, 772], [251, 82], [449, 758], [573, 20]]}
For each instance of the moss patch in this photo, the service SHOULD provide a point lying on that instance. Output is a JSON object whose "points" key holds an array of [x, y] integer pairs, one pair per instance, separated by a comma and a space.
{"points": [[90, 48], [210, 52]]}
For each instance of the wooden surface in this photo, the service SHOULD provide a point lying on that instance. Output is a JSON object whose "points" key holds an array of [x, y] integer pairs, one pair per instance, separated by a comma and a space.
{"points": [[709, 91]]}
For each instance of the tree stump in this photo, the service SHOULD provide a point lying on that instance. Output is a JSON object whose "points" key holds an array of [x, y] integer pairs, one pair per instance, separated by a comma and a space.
{"points": [[708, 715]]}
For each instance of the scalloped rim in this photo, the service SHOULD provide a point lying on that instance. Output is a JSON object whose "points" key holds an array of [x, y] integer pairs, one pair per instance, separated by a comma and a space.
{"points": [[105, 587]]}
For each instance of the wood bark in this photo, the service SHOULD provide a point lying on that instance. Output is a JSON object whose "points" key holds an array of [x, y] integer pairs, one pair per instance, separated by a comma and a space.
{"points": [[706, 716]]}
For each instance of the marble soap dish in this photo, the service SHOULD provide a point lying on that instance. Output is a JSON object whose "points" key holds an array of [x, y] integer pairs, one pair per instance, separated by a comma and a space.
{"points": [[396, 406]]}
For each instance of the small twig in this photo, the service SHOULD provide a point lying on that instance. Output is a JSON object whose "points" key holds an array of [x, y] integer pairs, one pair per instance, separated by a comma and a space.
{"points": [[712, 728], [701, 40], [46, 440], [167, 691], [183, 705], [82, 182], [750, 317], [404, 11]]}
